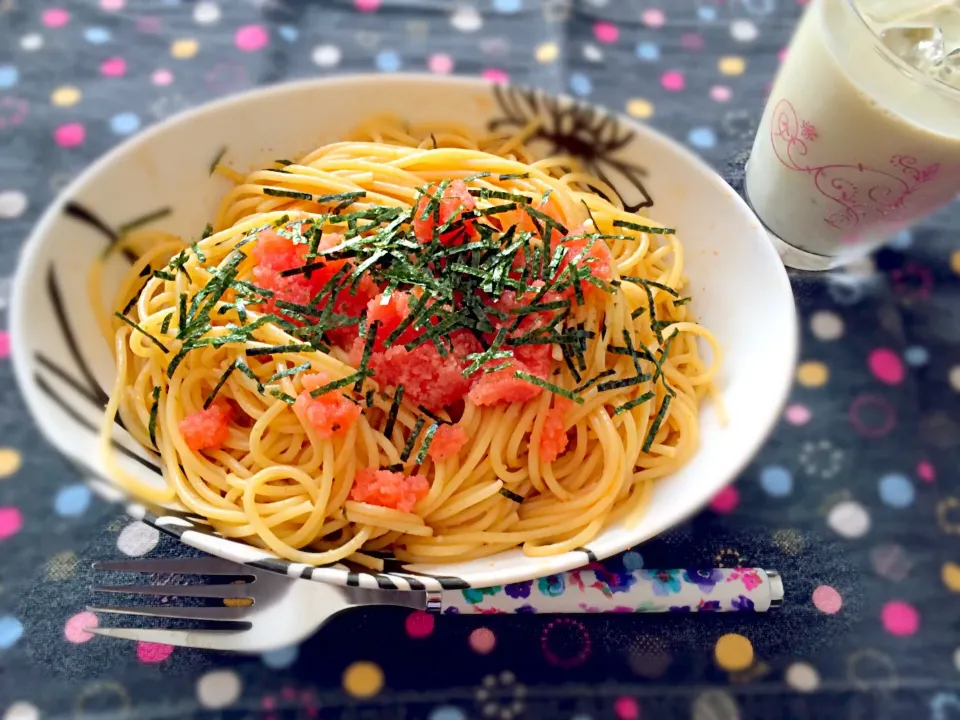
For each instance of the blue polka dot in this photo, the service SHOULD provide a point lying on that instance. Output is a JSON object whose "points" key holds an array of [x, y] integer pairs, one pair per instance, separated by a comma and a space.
{"points": [[632, 560], [289, 33], [580, 84], [916, 355], [702, 137], [125, 123], [707, 14], [896, 490], [648, 51], [282, 658], [902, 240], [507, 6], [72, 500], [447, 712], [9, 76], [10, 631], [776, 481], [96, 35], [388, 61]]}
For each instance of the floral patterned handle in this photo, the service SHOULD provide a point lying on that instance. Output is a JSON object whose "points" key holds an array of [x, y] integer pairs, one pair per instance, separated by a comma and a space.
{"points": [[595, 589]]}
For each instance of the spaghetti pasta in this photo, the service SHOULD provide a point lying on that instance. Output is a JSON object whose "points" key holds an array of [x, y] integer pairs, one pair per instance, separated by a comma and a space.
{"points": [[418, 340]]}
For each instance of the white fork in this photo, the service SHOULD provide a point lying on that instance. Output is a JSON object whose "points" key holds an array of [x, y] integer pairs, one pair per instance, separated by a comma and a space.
{"points": [[270, 611]]}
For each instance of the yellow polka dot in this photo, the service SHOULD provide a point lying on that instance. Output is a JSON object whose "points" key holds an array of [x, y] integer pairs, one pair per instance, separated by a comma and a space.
{"points": [[955, 262], [547, 52], [363, 679], [733, 652], [732, 65], [65, 96], [950, 574], [813, 374], [184, 49], [639, 108], [10, 461]]}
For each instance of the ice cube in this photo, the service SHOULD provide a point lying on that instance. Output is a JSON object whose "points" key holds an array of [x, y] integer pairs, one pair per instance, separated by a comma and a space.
{"points": [[920, 46]]}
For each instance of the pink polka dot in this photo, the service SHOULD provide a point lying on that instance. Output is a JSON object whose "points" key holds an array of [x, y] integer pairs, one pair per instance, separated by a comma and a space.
{"points": [[74, 629], [626, 708], [797, 414], [900, 618], [250, 38], [653, 18], [926, 471], [440, 63], [606, 32], [55, 17], [482, 640], [673, 80], [419, 624], [161, 77], [112, 5], [114, 67], [886, 366], [367, 5], [4, 344], [691, 41], [10, 522], [268, 703], [153, 652], [827, 600], [725, 501], [70, 135], [495, 75], [782, 55], [721, 93]]}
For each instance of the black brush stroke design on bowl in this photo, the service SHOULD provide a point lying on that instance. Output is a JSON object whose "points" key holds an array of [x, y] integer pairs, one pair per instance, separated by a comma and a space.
{"points": [[571, 128]]}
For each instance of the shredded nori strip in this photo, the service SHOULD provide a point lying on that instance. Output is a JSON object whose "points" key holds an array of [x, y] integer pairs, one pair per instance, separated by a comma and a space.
{"points": [[425, 445], [651, 283], [510, 495], [624, 382], [394, 409], [292, 194], [638, 312], [658, 421], [217, 159], [433, 416], [248, 371], [278, 349], [548, 386], [284, 162], [280, 395], [412, 439], [165, 325], [220, 384], [682, 301], [644, 228], [136, 327], [634, 403], [594, 380], [287, 373], [335, 385], [153, 416], [363, 371]]}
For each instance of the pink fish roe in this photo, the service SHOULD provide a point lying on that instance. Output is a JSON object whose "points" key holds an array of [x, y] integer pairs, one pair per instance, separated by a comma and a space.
{"points": [[553, 437], [456, 199], [389, 489], [331, 414], [447, 442], [207, 429]]}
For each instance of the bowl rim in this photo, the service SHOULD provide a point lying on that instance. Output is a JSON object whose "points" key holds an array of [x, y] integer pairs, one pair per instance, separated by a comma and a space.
{"points": [[32, 248]]}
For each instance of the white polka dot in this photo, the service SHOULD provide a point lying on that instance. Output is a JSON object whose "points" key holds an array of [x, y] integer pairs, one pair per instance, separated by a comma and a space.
{"points": [[31, 42], [12, 203], [592, 53], [326, 55], [21, 711], [206, 13], [955, 377], [803, 677], [137, 539], [956, 659], [743, 30], [466, 19], [218, 689], [826, 325], [849, 518], [715, 705]]}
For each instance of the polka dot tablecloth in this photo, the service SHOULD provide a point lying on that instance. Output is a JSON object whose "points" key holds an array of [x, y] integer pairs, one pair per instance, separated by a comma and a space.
{"points": [[855, 498]]}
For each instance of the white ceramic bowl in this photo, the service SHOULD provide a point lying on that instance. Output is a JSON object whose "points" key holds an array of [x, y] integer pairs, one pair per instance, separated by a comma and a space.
{"points": [[740, 288]]}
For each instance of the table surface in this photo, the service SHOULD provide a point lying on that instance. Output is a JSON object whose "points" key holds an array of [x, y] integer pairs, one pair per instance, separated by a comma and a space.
{"points": [[854, 499]]}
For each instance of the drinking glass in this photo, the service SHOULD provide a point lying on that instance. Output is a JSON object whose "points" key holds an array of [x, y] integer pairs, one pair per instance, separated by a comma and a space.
{"points": [[860, 136]]}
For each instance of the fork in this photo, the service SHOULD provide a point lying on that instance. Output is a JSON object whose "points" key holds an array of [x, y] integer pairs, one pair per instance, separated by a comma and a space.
{"points": [[263, 610]]}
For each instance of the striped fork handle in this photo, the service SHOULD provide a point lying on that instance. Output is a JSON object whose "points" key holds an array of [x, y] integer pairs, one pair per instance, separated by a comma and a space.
{"points": [[597, 590]]}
